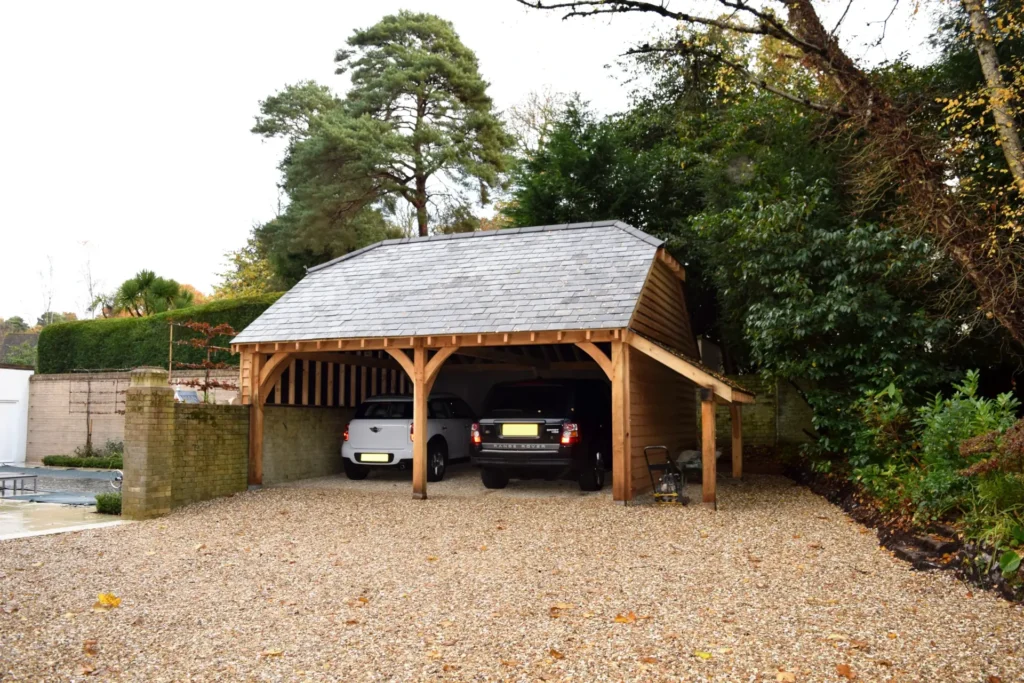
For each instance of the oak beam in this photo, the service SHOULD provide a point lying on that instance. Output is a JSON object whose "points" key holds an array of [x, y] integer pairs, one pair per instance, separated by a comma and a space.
{"points": [[434, 366], [688, 370], [707, 444], [503, 357], [404, 361], [603, 361], [349, 359]]}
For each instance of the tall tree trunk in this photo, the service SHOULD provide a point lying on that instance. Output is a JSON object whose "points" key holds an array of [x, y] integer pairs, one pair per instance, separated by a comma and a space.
{"points": [[998, 94], [895, 153], [421, 205]]}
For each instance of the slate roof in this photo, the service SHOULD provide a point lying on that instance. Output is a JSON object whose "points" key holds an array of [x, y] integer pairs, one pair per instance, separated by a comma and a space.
{"points": [[553, 277]]}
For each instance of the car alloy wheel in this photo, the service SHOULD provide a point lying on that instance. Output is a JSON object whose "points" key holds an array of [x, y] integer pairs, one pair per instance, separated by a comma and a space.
{"points": [[436, 464]]}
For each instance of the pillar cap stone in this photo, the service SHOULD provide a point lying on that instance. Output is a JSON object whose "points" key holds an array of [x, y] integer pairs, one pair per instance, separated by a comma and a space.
{"points": [[149, 377]]}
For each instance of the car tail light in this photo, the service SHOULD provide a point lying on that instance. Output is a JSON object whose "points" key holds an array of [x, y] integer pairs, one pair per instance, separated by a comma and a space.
{"points": [[474, 434], [410, 431], [570, 433], [345, 434]]}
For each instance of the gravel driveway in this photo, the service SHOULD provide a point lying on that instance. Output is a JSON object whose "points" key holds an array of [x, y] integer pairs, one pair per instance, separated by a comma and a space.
{"points": [[354, 581]]}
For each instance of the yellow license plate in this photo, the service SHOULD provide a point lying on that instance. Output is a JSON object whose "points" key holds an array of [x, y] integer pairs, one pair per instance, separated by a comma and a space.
{"points": [[519, 430], [373, 457]]}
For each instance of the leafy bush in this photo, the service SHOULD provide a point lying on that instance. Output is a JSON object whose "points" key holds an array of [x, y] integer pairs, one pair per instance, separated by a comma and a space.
{"points": [[110, 463], [108, 503], [121, 343], [956, 458], [109, 456]]}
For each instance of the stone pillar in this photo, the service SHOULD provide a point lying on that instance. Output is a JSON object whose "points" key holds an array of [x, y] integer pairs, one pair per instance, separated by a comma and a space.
{"points": [[148, 445]]}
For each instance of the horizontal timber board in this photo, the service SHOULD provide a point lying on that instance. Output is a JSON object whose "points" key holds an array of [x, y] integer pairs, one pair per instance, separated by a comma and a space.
{"points": [[435, 341]]}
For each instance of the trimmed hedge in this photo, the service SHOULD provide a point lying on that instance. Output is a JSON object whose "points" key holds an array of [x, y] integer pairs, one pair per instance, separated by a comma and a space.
{"points": [[124, 343], [108, 503], [115, 462]]}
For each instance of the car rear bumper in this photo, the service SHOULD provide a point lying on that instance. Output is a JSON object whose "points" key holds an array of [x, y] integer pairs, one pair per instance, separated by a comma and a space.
{"points": [[399, 457], [523, 459]]}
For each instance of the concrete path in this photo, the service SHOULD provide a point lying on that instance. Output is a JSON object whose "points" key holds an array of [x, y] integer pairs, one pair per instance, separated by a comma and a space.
{"points": [[19, 519]]}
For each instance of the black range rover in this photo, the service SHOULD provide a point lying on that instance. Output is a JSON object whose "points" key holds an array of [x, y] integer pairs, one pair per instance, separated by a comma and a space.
{"points": [[545, 428]]}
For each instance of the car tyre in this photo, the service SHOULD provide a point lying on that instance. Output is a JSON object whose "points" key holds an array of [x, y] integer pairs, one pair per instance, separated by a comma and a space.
{"points": [[494, 478], [592, 476], [437, 461], [355, 471]]}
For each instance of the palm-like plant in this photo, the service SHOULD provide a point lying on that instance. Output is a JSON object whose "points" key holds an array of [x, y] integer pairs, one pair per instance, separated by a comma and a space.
{"points": [[147, 293]]}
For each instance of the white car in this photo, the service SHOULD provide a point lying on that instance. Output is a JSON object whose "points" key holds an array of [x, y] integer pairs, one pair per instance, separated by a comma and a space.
{"points": [[380, 435]]}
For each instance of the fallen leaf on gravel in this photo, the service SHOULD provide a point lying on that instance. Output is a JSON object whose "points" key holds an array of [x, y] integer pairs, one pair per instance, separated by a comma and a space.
{"points": [[785, 677], [814, 546], [37, 565], [703, 655], [509, 663], [434, 654], [836, 636], [151, 552], [564, 605], [556, 654], [859, 645], [483, 547], [628, 618], [450, 667], [90, 647], [351, 622], [86, 669], [106, 602], [891, 636], [994, 679], [650, 660], [845, 671], [271, 653], [201, 546], [724, 650], [432, 558]]}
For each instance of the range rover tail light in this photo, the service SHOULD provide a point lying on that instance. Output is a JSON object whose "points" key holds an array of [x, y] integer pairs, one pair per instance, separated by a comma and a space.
{"points": [[570, 433], [474, 434]]}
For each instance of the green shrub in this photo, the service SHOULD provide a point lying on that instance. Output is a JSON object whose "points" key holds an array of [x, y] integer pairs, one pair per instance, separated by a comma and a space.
{"points": [[115, 462], [108, 503], [953, 459], [123, 343]]}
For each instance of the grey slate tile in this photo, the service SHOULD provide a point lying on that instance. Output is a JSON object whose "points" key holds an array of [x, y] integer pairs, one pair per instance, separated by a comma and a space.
{"points": [[577, 276]]}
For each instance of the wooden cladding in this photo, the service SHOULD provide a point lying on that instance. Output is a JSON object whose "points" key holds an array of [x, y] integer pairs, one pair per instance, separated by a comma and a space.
{"points": [[662, 412], [308, 382], [661, 311]]}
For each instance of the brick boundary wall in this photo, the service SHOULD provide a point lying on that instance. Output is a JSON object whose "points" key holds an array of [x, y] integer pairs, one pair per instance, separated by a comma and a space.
{"points": [[301, 442], [177, 454], [62, 408], [210, 452], [778, 416]]}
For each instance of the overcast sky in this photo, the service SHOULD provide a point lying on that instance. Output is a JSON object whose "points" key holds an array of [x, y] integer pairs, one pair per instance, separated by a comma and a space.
{"points": [[124, 126]]}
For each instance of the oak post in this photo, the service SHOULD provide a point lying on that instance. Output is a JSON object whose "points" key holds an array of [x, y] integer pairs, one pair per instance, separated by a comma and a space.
{"points": [[707, 441], [256, 398], [622, 471], [419, 423], [736, 417]]}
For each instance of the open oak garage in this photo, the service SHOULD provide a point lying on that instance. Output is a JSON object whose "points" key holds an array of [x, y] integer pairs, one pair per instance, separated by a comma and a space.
{"points": [[594, 299]]}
